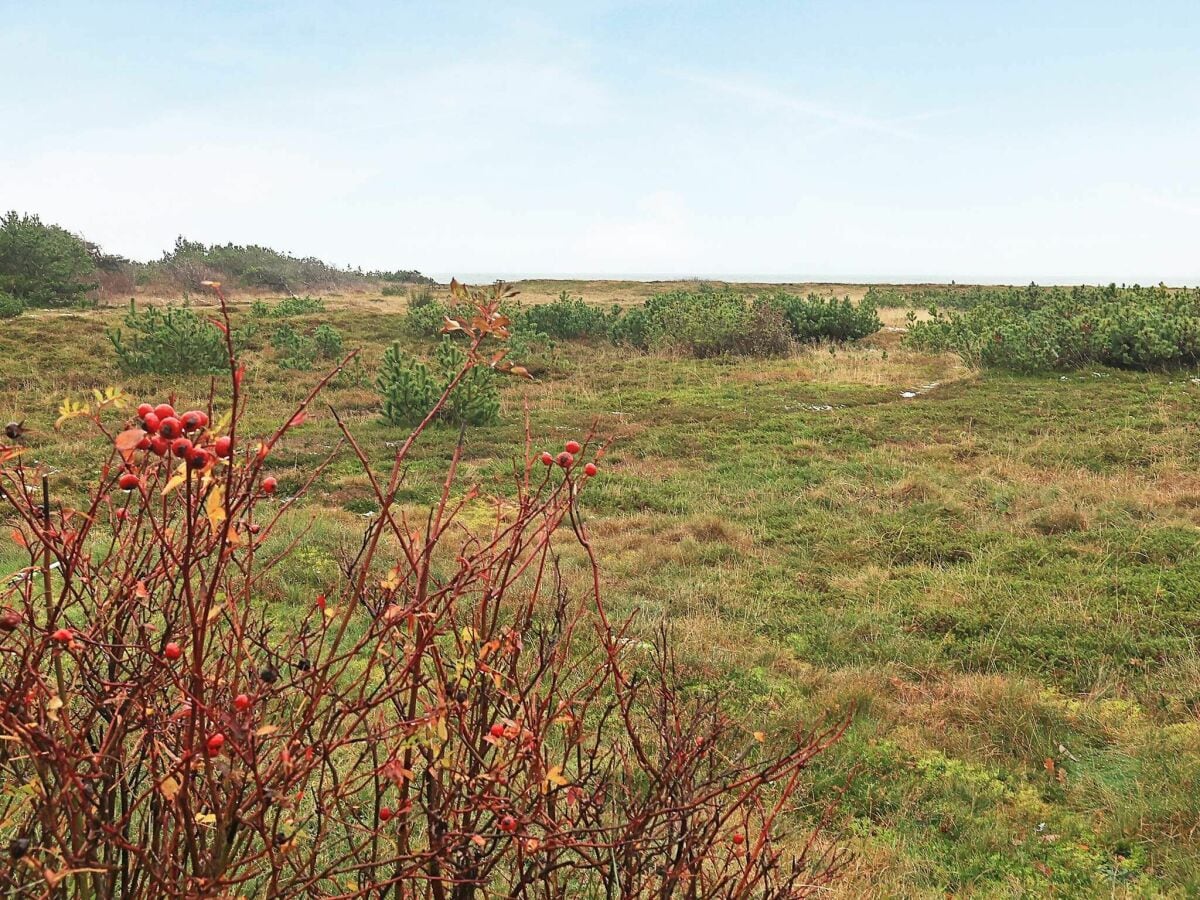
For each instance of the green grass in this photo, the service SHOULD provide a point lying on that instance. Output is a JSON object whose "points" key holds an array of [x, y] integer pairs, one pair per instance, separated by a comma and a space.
{"points": [[998, 577]]}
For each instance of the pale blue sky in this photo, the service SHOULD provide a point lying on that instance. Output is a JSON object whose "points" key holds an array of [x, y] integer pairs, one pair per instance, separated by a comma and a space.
{"points": [[904, 140]]}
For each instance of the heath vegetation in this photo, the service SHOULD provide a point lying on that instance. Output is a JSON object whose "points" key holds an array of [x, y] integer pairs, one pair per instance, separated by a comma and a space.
{"points": [[979, 556]]}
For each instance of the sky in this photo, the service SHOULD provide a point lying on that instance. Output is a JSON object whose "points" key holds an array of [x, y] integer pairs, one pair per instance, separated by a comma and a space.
{"points": [[892, 141]]}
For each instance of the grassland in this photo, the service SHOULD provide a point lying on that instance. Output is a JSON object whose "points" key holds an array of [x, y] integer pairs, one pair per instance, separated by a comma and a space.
{"points": [[997, 577]]}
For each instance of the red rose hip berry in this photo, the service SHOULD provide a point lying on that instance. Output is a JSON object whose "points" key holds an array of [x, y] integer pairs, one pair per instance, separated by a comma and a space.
{"points": [[384, 814], [547, 459], [144, 410], [215, 743], [566, 460], [164, 411], [590, 470], [170, 428], [128, 481], [241, 702], [63, 635], [269, 484], [172, 651], [197, 458], [508, 824], [159, 445], [181, 447], [496, 731], [151, 421], [573, 446], [223, 447]]}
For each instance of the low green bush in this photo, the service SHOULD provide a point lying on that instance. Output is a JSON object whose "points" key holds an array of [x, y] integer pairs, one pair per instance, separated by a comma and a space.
{"points": [[1032, 329], [426, 320], [328, 342], [566, 318], [631, 329], [701, 323], [287, 307], [10, 306], [409, 387], [816, 318], [295, 349], [172, 340]]}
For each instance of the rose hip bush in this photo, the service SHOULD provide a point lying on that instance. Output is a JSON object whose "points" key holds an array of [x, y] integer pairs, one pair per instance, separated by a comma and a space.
{"points": [[448, 719]]}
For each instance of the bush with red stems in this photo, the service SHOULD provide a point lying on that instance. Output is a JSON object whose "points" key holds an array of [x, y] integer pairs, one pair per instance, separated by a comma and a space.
{"points": [[448, 720]]}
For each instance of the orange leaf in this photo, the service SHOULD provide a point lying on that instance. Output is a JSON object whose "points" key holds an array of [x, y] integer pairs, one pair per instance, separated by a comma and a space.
{"points": [[19, 538], [298, 419], [237, 376], [128, 440]]}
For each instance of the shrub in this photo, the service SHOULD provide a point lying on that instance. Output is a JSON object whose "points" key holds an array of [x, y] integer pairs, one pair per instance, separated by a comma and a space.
{"points": [[190, 263], [816, 318], [566, 318], [393, 290], [328, 341], [43, 265], [426, 319], [296, 350], [437, 723], [293, 350], [171, 340], [1031, 329], [702, 323], [767, 332], [631, 329], [402, 276], [10, 306], [410, 387], [421, 297]]}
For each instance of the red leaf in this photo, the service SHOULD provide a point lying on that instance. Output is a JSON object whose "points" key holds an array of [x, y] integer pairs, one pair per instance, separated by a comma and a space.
{"points": [[237, 376], [298, 419], [220, 325]]}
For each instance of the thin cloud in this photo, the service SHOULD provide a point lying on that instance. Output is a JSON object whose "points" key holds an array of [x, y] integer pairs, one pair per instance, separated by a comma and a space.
{"points": [[778, 100]]}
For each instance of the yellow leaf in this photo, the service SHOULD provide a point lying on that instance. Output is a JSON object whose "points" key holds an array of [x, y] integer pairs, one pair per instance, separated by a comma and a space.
{"points": [[266, 730], [169, 787], [68, 410], [214, 507], [53, 706], [176, 480], [760, 736], [555, 777], [392, 581], [208, 819]]}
